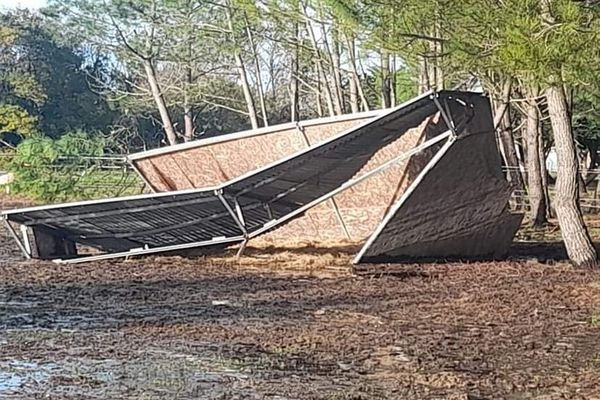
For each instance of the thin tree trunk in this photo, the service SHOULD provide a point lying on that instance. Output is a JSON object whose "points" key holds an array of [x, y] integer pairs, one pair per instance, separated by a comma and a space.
{"points": [[294, 85], [160, 101], [354, 107], [544, 174], [503, 125], [438, 50], [239, 63], [318, 99], [393, 82], [424, 84], [574, 232], [535, 187], [385, 79], [352, 53], [261, 93], [337, 73], [246, 88], [320, 68], [332, 70], [188, 118]]}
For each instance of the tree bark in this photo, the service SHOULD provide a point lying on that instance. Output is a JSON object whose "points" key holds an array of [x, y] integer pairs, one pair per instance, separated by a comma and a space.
{"points": [[354, 107], [239, 63], [424, 84], [393, 82], [579, 245], [386, 101], [188, 120], [318, 99], [294, 86], [503, 125], [337, 76], [319, 64], [160, 101], [355, 76], [259, 82], [544, 174], [535, 187]]}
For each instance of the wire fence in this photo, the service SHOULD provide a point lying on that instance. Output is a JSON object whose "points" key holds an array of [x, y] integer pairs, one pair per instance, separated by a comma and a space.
{"points": [[589, 196], [112, 175], [87, 177]]}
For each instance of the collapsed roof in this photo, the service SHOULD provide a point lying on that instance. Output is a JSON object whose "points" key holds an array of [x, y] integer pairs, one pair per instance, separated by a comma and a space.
{"points": [[454, 159]]}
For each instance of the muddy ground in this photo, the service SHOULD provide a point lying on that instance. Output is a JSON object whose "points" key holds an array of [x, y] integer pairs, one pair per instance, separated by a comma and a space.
{"points": [[299, 324]]}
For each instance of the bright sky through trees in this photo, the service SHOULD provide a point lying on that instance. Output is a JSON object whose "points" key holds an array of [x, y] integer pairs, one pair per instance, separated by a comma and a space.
{"points": [[31, 4]]}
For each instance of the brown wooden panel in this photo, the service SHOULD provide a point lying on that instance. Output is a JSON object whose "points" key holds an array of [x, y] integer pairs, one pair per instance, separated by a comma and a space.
{"points": [[361, 207]]}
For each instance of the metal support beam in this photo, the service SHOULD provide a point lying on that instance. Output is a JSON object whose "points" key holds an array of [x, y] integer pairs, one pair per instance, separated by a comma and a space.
{"points": [[141, 175], [238, 218], [239, 212], [20, 244], [431, 142], [332, 201], [240, 224], [434, 160], [446, 117], [240, 251], [108, 213], [150, 250]]}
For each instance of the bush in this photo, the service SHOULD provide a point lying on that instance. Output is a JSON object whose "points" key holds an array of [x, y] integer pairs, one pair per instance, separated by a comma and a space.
{"points": [[60, 170]]}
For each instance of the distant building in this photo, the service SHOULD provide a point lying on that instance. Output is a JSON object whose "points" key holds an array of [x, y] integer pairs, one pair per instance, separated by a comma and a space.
{"points": [[552, 162]]}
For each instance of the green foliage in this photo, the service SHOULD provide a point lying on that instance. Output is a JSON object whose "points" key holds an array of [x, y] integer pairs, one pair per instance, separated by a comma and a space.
{"points": [[59, 169], [15, 119], [47, 77]]}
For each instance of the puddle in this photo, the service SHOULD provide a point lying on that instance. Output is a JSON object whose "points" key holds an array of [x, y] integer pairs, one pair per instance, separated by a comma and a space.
{"points": [[16, 374], [9, 382], [147, 373]]}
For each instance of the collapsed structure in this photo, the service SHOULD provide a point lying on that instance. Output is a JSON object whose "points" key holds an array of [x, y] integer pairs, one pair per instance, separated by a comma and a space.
{"points": [[420, 181]]}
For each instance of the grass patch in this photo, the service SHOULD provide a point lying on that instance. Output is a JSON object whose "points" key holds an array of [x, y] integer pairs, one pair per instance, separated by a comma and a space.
{"points": [[596, 319]]}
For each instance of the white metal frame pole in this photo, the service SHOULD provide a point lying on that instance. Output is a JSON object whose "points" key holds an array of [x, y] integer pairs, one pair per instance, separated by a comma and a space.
{"points": [[356, 181], [17, 239], [334, 205], [238, 218]]}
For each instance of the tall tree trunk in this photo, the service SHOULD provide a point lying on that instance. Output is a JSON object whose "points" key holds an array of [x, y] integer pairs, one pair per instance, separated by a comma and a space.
{"points": [[294, 86], [354, 67], [393, 82], [246, 88], [544, 174], [337, 72], [318, 99], [503, 125], [319, 64], [354, 106], [239, 63], [574, 232], [160, 101], [424, 84], [438, 49], [188, 118], [535, 187], [259, 82], [386, 101], [332, 71]]}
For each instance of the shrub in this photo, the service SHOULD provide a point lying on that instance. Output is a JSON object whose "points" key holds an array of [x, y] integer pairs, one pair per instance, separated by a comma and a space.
{"points": [[50, 170]]}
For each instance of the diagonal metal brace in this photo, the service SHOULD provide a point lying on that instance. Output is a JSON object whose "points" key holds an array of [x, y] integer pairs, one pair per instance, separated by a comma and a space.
{"points": [[445, 115], [238, 217], [13, 233]]}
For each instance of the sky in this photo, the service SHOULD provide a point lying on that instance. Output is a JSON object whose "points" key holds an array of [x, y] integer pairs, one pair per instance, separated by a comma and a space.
{"points": [[32, 4]]}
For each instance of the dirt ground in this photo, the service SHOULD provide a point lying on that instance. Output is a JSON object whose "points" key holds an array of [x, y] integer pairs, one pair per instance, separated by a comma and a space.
{"points": [[299, 324], [170, 327]]}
